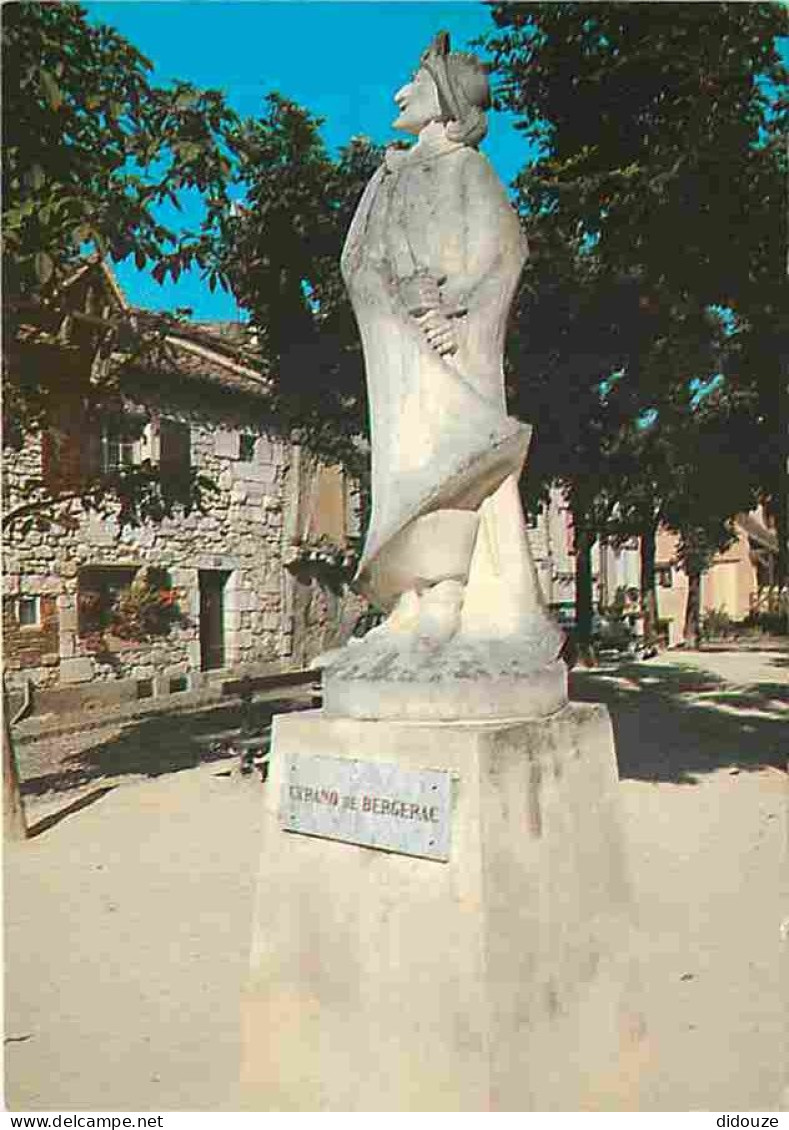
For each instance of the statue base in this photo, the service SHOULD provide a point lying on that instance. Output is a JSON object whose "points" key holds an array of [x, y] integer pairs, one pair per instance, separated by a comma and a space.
{"points": [[414, 679], [496, 974]]}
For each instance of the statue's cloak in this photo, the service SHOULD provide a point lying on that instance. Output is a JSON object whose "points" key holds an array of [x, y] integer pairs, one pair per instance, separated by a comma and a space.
{"points": [[441, 437]]}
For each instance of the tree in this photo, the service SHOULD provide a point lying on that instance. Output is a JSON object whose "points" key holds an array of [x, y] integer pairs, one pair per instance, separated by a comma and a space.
{"points": [[659, 130], [91, 150], [709, 485], [565, 343], [281, 255], [606, 378], [697, 548], [14, 822]]}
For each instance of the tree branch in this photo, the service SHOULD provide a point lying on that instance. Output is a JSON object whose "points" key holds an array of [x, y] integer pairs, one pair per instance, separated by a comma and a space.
{"points": [[37, 506]]}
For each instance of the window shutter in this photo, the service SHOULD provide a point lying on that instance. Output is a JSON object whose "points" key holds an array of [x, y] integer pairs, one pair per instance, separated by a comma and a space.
{"points": [[91, 450], [174, 457], [49, 459], [61, 460]]}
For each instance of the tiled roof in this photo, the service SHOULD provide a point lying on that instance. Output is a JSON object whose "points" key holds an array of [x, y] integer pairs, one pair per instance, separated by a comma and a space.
{"points": [[221, 353], [100, 265], [217, 352]]}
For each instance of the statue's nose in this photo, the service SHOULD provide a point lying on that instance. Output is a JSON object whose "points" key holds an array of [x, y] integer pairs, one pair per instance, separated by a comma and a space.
{"points": [[401, 97]]}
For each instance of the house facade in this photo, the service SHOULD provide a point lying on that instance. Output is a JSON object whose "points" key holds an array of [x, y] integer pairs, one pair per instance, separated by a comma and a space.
{"points": [[552, 541], [738, 582], [94, 608]]}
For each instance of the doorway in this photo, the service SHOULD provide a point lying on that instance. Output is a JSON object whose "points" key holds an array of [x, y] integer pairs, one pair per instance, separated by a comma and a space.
{"points": [[212, 618]]}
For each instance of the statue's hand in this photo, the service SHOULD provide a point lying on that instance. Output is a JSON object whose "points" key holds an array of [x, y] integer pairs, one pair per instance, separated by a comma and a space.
{"points": [[420, 293], [439, 331]]}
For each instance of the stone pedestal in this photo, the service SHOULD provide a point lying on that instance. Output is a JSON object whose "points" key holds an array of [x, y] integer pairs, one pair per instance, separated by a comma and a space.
{"points": [[499, 979]]}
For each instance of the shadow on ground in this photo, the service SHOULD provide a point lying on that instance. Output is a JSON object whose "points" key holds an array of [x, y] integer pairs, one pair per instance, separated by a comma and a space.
{"points": [[673, 723], [54, 818], [164, 743]]}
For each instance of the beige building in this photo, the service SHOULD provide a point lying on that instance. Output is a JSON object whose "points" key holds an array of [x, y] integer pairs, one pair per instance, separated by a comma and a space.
{"points": [[738, 581]]}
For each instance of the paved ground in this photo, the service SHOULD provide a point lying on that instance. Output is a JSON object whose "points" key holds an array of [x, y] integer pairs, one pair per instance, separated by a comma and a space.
{"points": [[703, 743], [128, 919]]}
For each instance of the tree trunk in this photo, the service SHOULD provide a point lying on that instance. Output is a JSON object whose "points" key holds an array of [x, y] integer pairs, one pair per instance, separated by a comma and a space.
{"points": [[692, 630], [782, 508], [648, 593], [14, 825], [584, 539]]}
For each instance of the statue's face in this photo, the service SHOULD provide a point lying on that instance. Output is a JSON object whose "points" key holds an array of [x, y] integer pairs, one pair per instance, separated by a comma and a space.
{"points": [[418, 103]]}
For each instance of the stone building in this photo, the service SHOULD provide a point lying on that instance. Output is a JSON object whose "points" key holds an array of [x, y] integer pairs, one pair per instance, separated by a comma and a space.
{"points": [[210, 586]]}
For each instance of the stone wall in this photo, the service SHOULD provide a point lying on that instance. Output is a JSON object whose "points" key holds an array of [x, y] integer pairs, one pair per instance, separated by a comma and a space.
{"points": [[324, 618], [239, 532], [35, 646], [29, 569], [269, 497], [323, 608]]}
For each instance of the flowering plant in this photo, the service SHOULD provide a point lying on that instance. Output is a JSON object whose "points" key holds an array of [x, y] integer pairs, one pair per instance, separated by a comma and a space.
{"points": [[322, 559], [147, 608]]}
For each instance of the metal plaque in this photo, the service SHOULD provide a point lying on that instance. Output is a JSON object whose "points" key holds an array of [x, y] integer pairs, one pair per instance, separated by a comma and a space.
{"points": [[367, 802]]}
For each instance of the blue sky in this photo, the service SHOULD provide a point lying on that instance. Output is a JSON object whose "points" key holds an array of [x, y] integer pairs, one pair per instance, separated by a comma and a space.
{"points": [[342, 59]]}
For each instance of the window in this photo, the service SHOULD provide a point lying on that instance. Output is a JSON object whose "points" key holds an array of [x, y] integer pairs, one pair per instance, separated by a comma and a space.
{"points": [[663, 576], [28, 611], [98, 590], [81, 448], [174, 457], [246, 447], [117, 449], [70, 453]]}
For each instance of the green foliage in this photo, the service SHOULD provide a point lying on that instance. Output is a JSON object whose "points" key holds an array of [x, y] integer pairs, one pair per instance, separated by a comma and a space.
{"points": [[148, 608], [660, 134], [613, 635], [91, 148], [282, 255], [716, 623], [145, 610], [131, 495], [660, 128], [774, 623], [615, 611]]}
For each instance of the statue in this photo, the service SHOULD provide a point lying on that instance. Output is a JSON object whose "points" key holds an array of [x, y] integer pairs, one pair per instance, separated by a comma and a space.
{"points": [[431, 263]]}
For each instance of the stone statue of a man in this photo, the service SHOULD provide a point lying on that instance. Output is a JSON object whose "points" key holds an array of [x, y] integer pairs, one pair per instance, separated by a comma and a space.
{"points": [[431, 263]]}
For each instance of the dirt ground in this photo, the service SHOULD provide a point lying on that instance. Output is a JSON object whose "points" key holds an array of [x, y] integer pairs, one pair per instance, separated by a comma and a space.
{"points": [[127, 916]]}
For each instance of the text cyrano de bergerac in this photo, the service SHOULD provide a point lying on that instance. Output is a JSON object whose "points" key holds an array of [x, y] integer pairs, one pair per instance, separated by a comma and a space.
{"points": [[373, 805]]}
